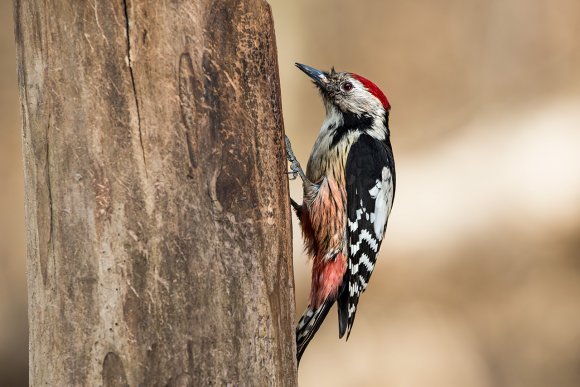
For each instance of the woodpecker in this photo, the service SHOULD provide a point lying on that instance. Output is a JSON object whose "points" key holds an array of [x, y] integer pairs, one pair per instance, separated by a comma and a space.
{"points": [[349, 187]]}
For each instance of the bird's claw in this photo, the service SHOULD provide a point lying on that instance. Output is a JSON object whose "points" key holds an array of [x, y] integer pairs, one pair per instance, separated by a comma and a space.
{"points": [[289, 153], [295, 168]]}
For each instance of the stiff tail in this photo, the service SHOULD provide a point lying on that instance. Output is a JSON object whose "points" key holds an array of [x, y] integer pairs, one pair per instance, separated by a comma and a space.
{"points": [[308, 325], [342, 307]]}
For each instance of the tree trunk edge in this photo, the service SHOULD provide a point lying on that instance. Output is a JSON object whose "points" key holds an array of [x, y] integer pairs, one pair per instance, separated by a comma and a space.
{"points": [[91, 224]]}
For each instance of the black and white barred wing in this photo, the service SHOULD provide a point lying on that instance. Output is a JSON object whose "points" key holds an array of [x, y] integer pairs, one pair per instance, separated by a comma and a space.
{"points": [[370, 181]]}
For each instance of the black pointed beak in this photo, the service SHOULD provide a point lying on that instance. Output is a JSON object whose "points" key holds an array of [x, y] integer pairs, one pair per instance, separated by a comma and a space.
{"points": [[319, 77]]}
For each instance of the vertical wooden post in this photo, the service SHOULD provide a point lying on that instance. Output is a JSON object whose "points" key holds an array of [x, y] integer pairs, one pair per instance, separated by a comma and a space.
{"points": [[158, 224]]}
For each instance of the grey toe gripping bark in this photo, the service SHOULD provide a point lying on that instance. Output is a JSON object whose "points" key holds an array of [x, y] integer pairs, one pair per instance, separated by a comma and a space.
{"points": [[295, 168]]}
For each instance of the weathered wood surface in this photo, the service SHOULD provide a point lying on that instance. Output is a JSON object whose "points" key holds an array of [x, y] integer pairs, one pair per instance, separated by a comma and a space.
{"points": [[158, 224]]}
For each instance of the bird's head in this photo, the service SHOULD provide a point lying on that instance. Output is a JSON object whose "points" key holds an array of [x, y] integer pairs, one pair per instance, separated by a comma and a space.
{"points": [[348, 93]]}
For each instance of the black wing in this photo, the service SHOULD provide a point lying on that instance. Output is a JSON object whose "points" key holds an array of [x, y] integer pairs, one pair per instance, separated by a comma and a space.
{"points": [[370, 190]]}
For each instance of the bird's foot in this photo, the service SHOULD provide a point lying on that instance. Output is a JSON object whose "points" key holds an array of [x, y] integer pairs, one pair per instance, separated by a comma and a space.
{"points": [[295, 171], [295, 168]]}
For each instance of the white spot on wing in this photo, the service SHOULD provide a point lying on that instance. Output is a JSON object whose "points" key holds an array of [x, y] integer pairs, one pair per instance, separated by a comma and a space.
{"points": [[354, 269], [363, 283], [382, 192], [351, 310], [364, 235], [353, 226], [354, 248], [353, 289], [364, 260]]}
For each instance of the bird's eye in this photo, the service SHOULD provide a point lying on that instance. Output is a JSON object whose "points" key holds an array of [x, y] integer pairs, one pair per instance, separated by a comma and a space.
{"points": [[347, 86]]}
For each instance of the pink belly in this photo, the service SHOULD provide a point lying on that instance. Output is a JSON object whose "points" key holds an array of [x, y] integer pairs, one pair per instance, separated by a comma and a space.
{"points": [[323, 225]]}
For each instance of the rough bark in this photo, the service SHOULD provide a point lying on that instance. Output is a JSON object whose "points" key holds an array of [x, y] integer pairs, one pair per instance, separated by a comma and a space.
{"points": [[158, 220]]}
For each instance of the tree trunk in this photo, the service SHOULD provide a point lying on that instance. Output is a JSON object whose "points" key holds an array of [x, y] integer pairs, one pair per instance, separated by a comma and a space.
{"points": [[158, 221]]}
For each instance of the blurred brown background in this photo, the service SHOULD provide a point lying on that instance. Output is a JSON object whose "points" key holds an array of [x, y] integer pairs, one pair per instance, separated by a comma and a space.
{"points": [[479, 278]]}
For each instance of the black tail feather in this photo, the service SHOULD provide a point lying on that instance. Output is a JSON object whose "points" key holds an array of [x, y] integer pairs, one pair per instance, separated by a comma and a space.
{"points": [[308, 326], [342, 306]]}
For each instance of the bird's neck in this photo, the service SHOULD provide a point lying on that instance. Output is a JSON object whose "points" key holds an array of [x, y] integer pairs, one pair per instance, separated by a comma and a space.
{"points": [[338, 124], [339, 131]]}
